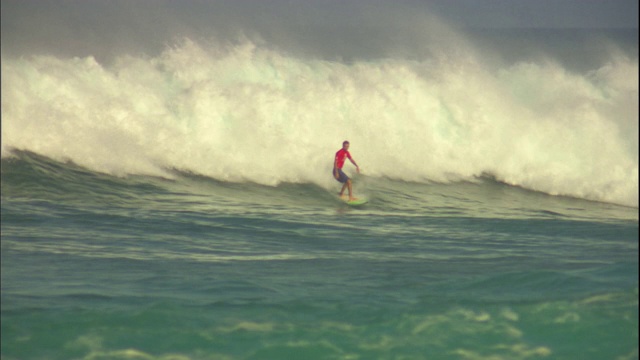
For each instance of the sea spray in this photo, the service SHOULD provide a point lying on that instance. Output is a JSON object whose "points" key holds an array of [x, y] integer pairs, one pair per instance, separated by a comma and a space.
{"points": [[246, 112]]}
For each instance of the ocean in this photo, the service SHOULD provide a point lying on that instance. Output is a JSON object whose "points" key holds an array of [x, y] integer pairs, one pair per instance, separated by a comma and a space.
{"points": [[178, 203]]}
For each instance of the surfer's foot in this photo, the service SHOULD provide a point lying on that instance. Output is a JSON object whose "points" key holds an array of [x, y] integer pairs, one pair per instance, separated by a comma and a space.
{"points": [[352, 199]]}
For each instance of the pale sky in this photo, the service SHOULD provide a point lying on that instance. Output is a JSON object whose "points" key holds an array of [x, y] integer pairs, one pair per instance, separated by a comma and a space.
{"points": [[95, 27], [539, 13]]}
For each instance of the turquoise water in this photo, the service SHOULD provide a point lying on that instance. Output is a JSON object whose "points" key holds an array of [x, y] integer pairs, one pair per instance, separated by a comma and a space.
{"points": [[138, 267]]}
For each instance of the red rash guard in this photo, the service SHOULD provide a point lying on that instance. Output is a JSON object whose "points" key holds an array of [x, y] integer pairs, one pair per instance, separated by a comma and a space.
{"points": [[341, 156]]}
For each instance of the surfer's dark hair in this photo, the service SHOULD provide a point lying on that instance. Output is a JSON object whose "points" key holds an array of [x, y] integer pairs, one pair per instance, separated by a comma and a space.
{"points": [[345, 142]]}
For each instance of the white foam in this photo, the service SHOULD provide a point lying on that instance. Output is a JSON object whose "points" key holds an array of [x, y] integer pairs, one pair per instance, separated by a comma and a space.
{"points": [[244, 112]]}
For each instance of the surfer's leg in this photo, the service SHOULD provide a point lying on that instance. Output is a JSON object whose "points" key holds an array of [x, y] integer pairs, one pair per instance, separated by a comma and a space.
{"points": [[344, 179], [344, 186], [348, 183]]}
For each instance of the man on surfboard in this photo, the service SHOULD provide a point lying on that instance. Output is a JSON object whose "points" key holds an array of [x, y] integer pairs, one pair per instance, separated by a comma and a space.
{"points": [[338, 163]]}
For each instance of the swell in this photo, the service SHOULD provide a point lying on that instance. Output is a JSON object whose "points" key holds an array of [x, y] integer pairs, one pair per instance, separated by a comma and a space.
{"points": [[31, 177]]}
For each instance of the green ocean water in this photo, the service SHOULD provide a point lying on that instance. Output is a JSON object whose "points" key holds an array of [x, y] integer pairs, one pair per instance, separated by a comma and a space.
{"points": [[100, 267]]}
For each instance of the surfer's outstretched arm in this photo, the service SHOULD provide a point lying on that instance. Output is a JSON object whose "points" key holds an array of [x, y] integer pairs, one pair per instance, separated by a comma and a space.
{"points": [[357, 167]]}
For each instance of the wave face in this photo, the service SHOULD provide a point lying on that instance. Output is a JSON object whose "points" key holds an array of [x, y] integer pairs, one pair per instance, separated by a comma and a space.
{"points": [[246, 111]]}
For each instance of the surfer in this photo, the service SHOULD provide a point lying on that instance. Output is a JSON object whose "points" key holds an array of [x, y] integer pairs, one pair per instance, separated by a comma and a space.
{"points": [[341, 155]]}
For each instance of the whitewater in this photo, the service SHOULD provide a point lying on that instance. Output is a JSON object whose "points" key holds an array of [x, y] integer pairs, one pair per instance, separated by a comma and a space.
{"points": [[241, 111]]}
